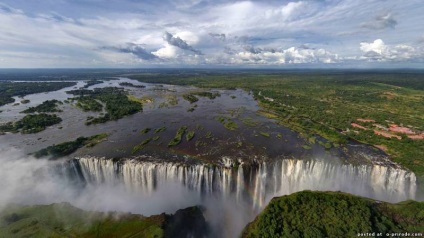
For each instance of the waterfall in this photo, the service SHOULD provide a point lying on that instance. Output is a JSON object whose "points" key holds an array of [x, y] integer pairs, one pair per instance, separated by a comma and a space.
{"points": [[255, 184]]}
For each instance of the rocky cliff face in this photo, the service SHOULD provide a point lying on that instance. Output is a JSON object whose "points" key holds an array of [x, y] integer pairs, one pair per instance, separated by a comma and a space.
{"points": [[254, 183]]}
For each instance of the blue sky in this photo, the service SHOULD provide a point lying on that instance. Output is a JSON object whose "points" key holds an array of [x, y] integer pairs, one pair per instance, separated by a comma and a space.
{"points": [[202, 33]]}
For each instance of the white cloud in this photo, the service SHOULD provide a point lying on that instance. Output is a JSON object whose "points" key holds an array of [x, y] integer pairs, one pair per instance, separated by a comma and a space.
{"points": [[233, 32], [167, 52], [379, 51], [292, 55]]}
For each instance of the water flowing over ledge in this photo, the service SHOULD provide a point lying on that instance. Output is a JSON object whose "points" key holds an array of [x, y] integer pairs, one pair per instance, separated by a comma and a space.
{"points": [[255, 184]]}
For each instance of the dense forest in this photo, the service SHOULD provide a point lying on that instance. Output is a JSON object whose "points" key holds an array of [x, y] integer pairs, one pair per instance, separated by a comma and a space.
{"points": [[67, 148], [46, 106], [117, 102], [32, 123], [11, 89], [334, 214]]}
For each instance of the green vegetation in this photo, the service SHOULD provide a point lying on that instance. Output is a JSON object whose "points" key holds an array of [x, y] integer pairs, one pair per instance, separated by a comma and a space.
{"points": [[145, 130], [155, 138], [171, 100], [264, 134], [92, 82], [209, 95], [46, 106], [279, 136], [88, 104], [189, 135], [11, 89], [178, 137], [117, 103], [334, 214], [126, 84], [326, 145], [135, 99], [31, 123], [67, 148], [326, 104], [249, 122], [158, 130], [227, 122], [236, 111], [141, 145], [208, 135], [306, 147], [63, 220], [191, 98]]}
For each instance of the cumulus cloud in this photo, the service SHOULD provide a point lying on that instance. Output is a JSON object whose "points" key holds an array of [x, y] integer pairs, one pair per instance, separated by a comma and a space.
{"points": [[178, 42], [209, 32], [381, 22], [292, 55], [134, 49], [167, 52], [251, 49], [379, 51]]}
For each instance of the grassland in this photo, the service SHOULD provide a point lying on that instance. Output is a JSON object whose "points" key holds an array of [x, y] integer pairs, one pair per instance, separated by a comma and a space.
{"points": [[334, 214], [327, 104]]}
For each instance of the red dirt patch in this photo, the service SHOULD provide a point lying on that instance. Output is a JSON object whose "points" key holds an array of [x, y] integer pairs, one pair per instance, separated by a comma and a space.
{"points": [[401, 129], [417, 137], [358, 126], [387, 135], [382, 147]]}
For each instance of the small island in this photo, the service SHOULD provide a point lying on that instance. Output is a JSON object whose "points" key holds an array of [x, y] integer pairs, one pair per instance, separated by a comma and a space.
{"points": [[31, 123]]}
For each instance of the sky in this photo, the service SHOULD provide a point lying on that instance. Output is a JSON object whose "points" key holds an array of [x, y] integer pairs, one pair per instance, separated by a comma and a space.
{"points": [[211, 33]]}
